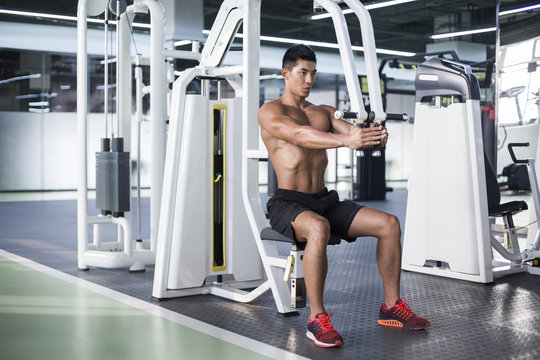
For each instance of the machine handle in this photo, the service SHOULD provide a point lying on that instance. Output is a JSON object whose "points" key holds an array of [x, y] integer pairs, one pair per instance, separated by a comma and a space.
{"points": [[350, 115], [513, 156], [358, 117], [397, 117], [354, 115]]}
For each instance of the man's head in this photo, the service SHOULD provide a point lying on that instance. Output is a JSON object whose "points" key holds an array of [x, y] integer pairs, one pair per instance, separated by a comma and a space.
{"points": [[299, 69], [295, 53]]}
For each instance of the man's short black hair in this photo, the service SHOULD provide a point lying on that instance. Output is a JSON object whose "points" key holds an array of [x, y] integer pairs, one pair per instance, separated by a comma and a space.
{"points": [[295, 52]]}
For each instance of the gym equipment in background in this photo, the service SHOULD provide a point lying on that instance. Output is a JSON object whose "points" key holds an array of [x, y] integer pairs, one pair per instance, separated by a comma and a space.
{"points": [[113, 167], [517, 178], [451, 196], [529, 259], [370, 182]]}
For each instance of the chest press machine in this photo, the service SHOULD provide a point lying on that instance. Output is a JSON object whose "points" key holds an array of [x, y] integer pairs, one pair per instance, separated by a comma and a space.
{"points": [[212, 223], [211, 213], [452, 184]]}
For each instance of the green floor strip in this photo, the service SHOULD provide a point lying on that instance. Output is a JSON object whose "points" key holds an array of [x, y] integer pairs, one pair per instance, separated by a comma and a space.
{"points": [[42, 317]]}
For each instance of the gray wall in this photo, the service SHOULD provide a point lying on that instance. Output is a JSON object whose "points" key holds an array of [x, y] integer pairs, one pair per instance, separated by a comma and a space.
{"points": [[39, 151]]}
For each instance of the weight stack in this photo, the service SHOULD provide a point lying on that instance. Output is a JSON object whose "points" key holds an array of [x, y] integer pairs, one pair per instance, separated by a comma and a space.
{"points": [[113, 178], [370, 177]]}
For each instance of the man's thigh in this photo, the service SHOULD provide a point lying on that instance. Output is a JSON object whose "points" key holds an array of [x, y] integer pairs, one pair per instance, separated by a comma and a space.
{"points": [[341, 217], [369, 222], [303, 224]]}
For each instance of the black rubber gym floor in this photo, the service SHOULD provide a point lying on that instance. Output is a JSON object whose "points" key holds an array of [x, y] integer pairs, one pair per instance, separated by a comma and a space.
{"points": [[468, 320]]}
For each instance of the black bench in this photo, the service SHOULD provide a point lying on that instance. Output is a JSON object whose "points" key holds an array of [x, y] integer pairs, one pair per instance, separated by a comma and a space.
{"points": [[269, 234]]}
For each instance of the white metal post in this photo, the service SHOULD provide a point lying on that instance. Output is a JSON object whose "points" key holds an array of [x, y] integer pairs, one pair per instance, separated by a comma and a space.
{"points": [[370, 56], [250, 144], [480, 195], [82, 108], [158, 106], [347, 57]]}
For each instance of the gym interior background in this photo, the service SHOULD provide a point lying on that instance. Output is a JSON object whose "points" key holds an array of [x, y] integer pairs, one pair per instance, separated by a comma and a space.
{"points": [[500, 40]]}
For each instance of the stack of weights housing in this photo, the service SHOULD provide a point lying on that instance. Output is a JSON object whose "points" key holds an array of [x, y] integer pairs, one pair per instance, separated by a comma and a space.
{"points": [[112, 178]]}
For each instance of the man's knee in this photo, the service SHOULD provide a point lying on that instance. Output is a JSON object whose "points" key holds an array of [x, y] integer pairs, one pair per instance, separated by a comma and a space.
{"points": [[391, 227], [319, 231]]}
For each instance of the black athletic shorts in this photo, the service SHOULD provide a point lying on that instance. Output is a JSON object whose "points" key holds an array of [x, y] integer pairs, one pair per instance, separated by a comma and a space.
{"points": [[285, 206]]}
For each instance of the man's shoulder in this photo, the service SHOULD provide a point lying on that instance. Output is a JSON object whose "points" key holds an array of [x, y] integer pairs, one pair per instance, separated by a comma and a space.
{"points": [[324, 107], [273, 103], [272, 107]]}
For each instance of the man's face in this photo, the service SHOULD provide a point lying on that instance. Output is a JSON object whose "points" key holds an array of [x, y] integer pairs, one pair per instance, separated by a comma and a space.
{"points": [[301, 77]]}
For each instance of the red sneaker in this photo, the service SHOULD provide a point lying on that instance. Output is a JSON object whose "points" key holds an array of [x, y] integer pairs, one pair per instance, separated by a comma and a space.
{"points": [[400, 315], [322, 333]]}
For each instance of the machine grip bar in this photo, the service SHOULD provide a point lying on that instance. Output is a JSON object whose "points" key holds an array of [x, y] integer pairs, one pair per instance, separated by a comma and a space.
{"points": [[513, 156], [346, 115], [397, 117], [371, 116], [350, 115]]}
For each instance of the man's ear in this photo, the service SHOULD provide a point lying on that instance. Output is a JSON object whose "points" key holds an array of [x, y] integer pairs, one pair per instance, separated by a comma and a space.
{"points": [[284, 72]]}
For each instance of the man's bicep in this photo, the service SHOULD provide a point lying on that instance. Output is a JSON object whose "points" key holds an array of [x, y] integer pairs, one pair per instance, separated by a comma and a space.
{"points": [[279, 126], [275, 121]]}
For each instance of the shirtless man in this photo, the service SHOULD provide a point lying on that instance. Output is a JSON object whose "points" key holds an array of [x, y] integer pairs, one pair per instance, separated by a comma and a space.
{"points": [[297, 134]]}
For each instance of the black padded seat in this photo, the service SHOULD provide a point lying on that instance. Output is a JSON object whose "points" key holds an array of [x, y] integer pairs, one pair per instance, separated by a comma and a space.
{"points": [[269, 234], [511, 207]]}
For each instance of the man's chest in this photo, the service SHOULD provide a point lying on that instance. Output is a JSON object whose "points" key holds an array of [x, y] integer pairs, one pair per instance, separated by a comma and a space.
{"points": [[315, 118]]}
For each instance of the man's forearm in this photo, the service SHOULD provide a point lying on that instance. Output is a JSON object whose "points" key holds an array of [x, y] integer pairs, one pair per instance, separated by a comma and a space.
{"points": [[311, 138]]}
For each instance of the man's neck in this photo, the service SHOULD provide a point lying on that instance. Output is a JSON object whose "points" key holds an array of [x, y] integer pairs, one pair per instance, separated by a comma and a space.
{"points": [[288, 98]]}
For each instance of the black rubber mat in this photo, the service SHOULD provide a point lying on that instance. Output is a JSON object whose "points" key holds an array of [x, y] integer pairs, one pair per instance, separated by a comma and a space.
{"points": [[496, 321]]}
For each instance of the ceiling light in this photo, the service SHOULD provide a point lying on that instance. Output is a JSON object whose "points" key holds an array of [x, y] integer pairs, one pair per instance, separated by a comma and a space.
{"points": [[368, 7], [265, 38], [182, 42], [34, 110], [63, 17], [526, 8], [38, 103], [462, 33], [270, 77], [321, 44], [34, 96], [17, 78], [35, 14]]}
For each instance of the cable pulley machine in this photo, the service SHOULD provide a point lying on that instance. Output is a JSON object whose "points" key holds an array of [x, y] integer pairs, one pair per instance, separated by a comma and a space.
{"points": [[113, 162]]}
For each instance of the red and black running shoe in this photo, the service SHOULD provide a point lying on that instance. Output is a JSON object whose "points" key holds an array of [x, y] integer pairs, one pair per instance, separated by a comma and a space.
{"points": [[322, 333], [400, 315]]}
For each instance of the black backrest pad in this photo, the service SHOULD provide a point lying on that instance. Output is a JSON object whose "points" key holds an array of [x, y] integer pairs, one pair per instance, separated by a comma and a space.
{"points": [[493, 191]]}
